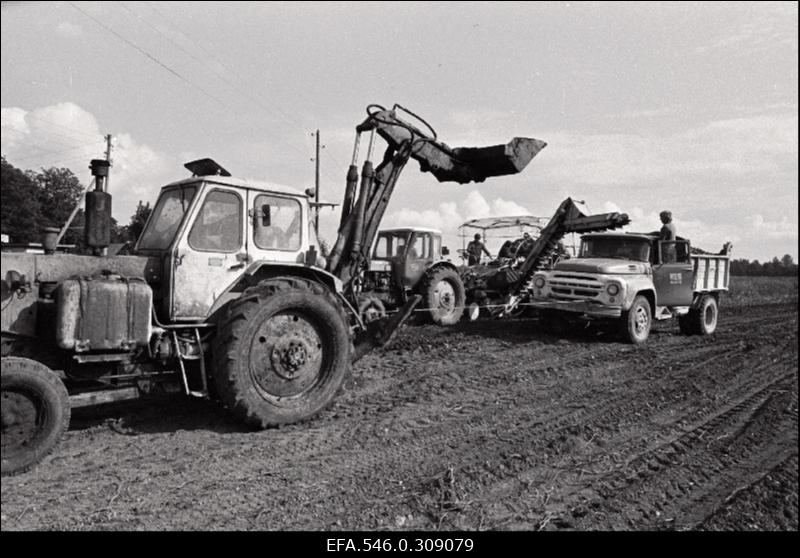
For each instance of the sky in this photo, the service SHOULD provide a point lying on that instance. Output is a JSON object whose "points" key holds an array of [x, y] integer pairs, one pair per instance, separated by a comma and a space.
{"points": [[686, 106]]}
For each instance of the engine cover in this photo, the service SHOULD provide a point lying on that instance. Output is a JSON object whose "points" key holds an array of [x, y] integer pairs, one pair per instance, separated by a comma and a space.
{"points": [[109, 312]]}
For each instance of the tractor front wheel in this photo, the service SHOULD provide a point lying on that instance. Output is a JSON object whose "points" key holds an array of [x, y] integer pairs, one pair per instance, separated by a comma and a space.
{"points": [[35, 413], [281, 352]]}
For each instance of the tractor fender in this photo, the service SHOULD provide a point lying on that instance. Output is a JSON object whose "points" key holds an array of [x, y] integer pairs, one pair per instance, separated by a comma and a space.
{"points": [[261, 270]]}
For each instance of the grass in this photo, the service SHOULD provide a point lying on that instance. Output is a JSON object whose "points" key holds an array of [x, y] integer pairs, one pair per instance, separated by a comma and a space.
{"points": [[753, 291]]}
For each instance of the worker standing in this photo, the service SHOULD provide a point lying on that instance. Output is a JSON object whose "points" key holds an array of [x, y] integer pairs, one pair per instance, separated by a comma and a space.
{"points": [[475, 249], [668, 231]]}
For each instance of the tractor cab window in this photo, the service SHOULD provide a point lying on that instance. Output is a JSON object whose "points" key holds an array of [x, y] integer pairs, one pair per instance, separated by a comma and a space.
{"points": [[166, 218], [420, 248], [277, 223], [389, 245], [218, 227]]}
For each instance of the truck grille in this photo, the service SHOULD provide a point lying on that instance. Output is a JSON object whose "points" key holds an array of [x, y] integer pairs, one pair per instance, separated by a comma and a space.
{"points": [[570, 287]]}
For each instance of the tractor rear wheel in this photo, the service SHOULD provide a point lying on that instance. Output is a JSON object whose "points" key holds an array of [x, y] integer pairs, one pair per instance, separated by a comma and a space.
{"points": [[444, 295], [282, 352], [35, 413]]}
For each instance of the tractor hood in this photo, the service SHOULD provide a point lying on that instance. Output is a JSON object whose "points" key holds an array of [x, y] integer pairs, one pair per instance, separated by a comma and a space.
{"points": [[605, 266]]}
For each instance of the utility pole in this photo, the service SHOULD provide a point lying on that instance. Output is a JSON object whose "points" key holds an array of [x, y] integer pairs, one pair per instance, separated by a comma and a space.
{"points": [[316, 187], [108, 157]]}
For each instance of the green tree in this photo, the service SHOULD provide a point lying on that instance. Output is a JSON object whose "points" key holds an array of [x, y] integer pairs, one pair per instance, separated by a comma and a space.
{"points": [[59, 192], [19, 210], [138, 220]]}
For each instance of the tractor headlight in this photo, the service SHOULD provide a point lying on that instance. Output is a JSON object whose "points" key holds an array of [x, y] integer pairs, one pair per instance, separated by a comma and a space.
{"points": [[612, 289], [539, 282]]}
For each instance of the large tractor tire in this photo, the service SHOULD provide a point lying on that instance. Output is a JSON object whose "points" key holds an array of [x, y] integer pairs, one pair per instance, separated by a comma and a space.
{"points": [[444, 296], [636, 322], [704, 317], [281, 352], [35, 413]]}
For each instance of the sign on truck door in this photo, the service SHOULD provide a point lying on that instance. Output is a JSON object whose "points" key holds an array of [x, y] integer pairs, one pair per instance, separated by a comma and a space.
{"points": [[673, 274]]}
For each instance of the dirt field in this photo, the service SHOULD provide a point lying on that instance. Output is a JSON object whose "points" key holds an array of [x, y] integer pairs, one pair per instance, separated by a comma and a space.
{"points": [[488, 425]]}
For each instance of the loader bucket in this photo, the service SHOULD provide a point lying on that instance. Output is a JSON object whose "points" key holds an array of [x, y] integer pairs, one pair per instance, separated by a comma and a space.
{"points": [[447, 164]]}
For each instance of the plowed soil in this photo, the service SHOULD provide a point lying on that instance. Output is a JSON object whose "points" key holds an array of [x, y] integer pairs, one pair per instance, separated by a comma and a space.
{"points": [[488, 425]]}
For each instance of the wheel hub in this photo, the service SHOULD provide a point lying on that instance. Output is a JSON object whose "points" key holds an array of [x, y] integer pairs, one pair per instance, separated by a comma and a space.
{"points": [[446, 295], [641, 320], [286, 355], [289, 358]]}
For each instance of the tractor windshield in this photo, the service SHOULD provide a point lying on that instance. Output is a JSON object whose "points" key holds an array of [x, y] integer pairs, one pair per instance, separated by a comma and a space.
{"points": [[390, 245], [617, 247], [166, 218]]}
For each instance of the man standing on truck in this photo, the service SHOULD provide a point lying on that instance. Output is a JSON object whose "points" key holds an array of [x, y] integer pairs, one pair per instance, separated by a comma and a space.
{"points": [[475, 249], [668, 233]]}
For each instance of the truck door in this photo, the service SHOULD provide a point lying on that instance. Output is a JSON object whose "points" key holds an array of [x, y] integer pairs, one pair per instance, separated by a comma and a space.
{"points": [[208, 256], [673, 274], [418, 258]]}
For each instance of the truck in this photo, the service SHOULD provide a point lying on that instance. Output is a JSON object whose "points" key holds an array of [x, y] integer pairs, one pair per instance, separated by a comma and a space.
{"points": [[408, 261], [225, 296], [631, 279]]}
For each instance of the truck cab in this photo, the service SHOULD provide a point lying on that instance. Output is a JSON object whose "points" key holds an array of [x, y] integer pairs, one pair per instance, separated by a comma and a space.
{"points": [[634, 278]]}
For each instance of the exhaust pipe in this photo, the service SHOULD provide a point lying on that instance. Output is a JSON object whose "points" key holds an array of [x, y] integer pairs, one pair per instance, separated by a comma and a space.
{"points": [[97, 231]]}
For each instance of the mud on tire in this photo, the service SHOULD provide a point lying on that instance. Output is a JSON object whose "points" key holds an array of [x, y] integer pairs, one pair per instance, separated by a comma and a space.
{"points": [[444, 295], [281, 352], [35, 413]]}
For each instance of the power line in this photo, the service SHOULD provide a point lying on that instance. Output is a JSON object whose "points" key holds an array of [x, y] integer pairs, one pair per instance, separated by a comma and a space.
{"points": [[147, 54], [242, 80]]}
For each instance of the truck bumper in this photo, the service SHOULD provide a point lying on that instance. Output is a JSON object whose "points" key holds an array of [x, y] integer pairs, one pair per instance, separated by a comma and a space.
{"points": [[586, 308]]}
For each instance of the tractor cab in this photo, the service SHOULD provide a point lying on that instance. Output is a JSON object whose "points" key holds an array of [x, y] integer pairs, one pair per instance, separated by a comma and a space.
{"points": [[409, 251], [207, 230]]}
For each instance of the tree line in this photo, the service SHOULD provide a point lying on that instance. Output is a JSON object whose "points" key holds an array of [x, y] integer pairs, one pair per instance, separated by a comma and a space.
{"points": [[775, 268], [34, 200]]}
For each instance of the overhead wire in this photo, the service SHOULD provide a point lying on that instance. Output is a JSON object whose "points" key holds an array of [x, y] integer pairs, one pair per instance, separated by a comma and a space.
{"points": [[274, 109]]}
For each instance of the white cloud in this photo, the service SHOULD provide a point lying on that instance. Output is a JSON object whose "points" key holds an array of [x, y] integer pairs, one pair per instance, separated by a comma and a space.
{"points": [[66, 135]]}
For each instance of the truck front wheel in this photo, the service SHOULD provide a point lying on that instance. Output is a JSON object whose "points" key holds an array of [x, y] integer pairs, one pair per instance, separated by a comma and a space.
{"points": [[35, 413], [637, 321], [282, 352]]}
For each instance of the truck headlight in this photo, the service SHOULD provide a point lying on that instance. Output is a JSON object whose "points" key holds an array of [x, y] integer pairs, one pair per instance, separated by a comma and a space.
{"points": [[539, 282], [612, 289]]}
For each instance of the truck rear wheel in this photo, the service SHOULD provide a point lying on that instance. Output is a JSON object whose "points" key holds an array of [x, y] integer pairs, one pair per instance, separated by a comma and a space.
{"points": [[704, 317], [35, 413], [637, 321], [444, 295], [281, 352]]}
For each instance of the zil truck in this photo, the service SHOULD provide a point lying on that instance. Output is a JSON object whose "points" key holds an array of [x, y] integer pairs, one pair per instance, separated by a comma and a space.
{"points": [[631, 279], [225, 295]]}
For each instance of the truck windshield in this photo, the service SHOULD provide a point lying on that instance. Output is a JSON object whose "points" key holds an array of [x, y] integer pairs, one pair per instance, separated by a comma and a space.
{"points": [[167, 216], [616, 247]]}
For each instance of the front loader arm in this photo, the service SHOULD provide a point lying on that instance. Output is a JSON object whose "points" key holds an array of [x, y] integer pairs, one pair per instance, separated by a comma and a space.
{"points": [[362, 213]]}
